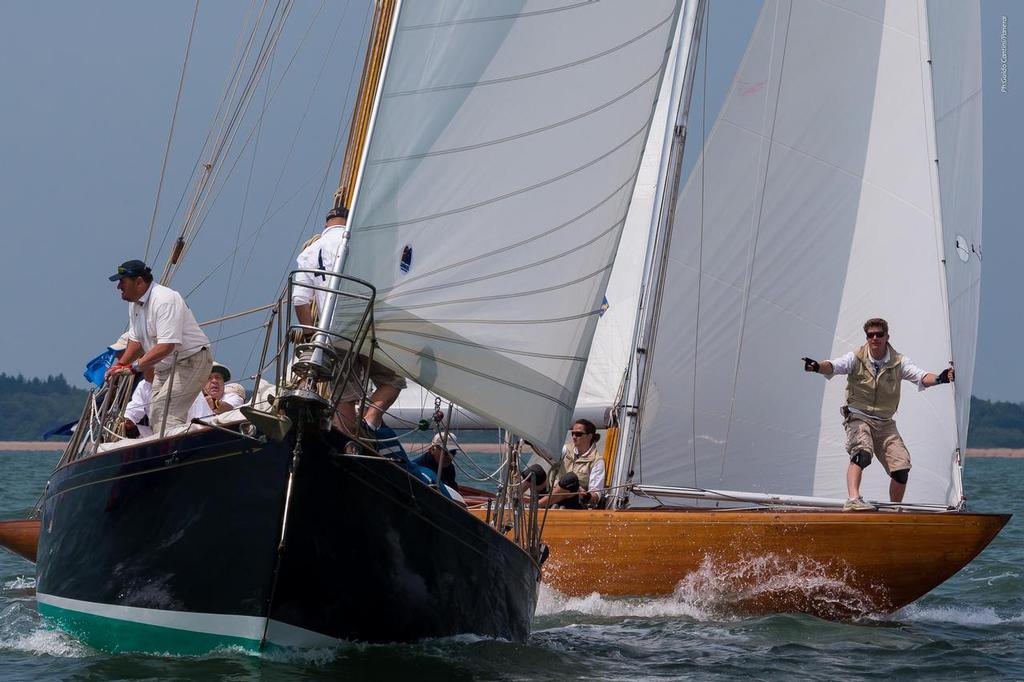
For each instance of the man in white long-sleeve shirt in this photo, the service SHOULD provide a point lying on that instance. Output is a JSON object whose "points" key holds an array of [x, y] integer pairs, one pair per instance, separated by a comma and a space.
{"points": [[321, 255], [874, 373]]}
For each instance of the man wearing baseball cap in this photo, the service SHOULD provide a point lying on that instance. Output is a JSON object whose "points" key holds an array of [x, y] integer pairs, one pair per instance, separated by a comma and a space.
{"points": [[163, 338]]}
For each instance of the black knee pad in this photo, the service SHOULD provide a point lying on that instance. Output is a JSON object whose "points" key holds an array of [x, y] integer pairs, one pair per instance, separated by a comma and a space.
{"points": [[861, 458], [900, 476]]}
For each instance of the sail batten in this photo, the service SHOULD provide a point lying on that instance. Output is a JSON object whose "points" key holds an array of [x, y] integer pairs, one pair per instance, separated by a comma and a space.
{"points": [[498, 172]]}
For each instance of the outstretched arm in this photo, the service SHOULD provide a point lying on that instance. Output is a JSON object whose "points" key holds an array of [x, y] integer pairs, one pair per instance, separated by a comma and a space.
{"points": [[823, 367], [946, 376]]}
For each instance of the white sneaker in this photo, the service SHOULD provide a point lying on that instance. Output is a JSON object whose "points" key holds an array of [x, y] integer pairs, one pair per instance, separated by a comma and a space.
{"points": [[858, 504]]}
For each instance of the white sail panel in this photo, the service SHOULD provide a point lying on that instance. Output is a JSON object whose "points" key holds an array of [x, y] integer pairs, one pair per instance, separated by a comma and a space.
{"points": [[955, 38], [501, 163], [613, 340], [818, 214]]}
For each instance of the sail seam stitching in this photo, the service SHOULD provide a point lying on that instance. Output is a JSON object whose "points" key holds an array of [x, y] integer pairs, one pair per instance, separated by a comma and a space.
{"points": [[532, 74]]}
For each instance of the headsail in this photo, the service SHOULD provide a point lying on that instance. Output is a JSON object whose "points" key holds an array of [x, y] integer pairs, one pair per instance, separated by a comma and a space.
{"points": [[821, 208], [497, 177]]}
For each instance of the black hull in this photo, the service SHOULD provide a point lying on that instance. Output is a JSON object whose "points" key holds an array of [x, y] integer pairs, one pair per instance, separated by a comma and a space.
{"points": [[185, 533]]}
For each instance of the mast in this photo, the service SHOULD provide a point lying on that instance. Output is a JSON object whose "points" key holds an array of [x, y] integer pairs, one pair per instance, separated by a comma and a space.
{"points": [[373, 68], [629, 412]]}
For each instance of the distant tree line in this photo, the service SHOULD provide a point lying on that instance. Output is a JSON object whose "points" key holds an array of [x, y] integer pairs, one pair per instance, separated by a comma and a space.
{"points": [[996, 424], [31, 407]]}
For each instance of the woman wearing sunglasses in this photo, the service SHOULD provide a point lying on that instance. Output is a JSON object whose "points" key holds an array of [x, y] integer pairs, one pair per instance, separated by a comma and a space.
{"points": [[582, 483]]}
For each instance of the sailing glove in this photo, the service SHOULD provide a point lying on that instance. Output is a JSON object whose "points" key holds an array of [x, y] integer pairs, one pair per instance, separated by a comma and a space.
{"points": [[811, 365], [945, 376]]}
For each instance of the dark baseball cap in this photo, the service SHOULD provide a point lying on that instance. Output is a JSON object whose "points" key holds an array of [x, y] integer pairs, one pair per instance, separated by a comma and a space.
{"points": [[337, 212], [130, 268]]}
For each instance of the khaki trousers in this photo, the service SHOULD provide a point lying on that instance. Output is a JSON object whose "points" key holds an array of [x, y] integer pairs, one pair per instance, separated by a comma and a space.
{"points": [[190, 374], [879, 438]]}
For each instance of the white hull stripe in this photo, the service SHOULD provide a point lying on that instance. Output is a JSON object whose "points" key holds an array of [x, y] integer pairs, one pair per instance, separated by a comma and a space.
{"points": [[244, 627]]}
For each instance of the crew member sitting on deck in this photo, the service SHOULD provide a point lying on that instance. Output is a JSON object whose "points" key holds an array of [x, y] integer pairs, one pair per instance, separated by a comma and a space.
{"points": [[438, 457], [216, 398], [582, 484], [219, 396]]}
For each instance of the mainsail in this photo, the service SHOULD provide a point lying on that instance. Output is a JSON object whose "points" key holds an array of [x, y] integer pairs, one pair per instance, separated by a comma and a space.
{"points": [[498, 173], [840, 182]]}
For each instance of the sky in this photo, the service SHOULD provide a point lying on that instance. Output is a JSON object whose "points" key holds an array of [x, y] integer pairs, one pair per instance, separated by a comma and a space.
{"points": [[88, 95]]}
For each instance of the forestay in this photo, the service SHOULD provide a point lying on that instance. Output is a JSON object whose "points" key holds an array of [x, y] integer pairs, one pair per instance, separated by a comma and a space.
{"points": [[498, 172], [823, 206]]}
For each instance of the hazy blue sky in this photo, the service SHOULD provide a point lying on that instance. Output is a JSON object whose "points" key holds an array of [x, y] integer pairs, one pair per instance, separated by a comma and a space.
{"points": [[87, 95]]}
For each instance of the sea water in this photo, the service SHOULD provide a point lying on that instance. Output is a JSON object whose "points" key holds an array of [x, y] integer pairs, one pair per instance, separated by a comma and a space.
{"points": [[971, 627]]}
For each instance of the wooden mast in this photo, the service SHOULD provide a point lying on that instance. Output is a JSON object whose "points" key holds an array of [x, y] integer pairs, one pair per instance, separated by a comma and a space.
{"points": [[383, 17]]}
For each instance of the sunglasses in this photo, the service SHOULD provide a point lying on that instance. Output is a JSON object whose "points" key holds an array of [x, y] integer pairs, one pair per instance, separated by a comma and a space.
{"points": [[578, 434], [876, 335]]}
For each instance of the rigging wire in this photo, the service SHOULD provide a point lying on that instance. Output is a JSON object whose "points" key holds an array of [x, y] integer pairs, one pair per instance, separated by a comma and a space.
{"points": [[170, 133], [227, 128], [245, 205], [238, 61], [342, 120], [700, 244]]}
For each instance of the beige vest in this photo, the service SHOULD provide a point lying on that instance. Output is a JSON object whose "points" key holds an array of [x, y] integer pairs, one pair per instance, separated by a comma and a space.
{"points": [[581, 465], [878, 396]]}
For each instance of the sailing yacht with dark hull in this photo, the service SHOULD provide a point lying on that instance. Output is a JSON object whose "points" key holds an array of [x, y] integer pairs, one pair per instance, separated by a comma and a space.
{"points": [[490, 167], [222, 564]]}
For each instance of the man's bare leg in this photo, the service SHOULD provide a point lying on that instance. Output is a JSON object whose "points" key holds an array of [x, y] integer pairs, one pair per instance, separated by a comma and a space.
{"points": [[896, 490], [379, 403], [853, 477]]}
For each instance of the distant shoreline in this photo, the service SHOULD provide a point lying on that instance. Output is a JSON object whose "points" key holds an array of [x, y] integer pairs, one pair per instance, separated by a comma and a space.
{"points": [[31, 445], [51, 446]]}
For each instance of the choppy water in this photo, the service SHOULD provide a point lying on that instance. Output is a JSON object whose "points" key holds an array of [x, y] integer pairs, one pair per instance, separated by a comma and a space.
{"points": [[972, 627]]}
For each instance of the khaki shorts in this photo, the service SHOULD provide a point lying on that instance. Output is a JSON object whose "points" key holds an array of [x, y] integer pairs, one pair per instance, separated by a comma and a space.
{"points": [[880, 439], [379, 375]]}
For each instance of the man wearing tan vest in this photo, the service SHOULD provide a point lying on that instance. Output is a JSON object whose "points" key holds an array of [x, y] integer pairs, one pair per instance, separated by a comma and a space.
{"points": [[873, 375]]}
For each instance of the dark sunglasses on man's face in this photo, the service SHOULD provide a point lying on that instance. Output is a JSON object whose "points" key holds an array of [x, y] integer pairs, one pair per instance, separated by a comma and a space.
{"points": [[578, 434], [876, 335]]}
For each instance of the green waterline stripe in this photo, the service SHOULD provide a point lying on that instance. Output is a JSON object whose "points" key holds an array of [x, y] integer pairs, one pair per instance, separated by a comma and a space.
{"points": [[116, 628], [118, 636]]}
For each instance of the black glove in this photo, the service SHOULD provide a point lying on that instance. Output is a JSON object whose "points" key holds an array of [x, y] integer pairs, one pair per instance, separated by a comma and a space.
{"points": [[811, 365], [945, 376]]}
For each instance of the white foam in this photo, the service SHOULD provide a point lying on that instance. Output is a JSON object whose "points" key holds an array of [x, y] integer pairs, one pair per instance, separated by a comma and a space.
{"points": [[46, 641], [992, 579], [956, 615], [726, 590], [551, 602], [20, 583]]}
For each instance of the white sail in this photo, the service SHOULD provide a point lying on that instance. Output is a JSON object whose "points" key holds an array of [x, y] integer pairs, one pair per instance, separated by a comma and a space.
{"points": [[613, 340], [954, 37], [501, 161], [820, 210]]}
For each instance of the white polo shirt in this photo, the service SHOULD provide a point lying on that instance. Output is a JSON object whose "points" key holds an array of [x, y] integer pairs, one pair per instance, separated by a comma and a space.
{"points": [[319, 255], [161, 316]]}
